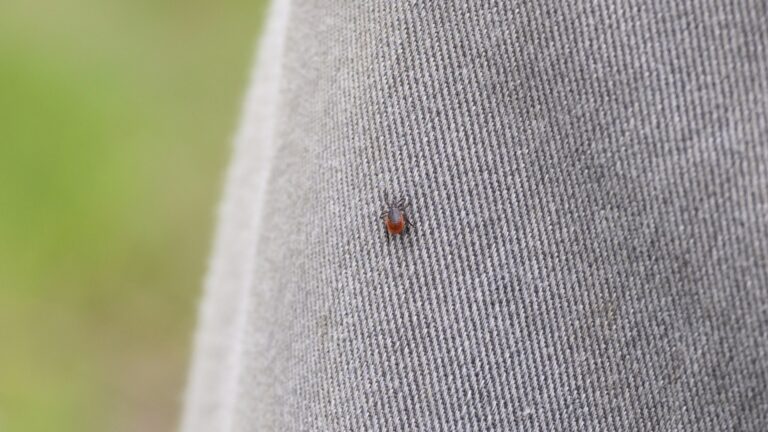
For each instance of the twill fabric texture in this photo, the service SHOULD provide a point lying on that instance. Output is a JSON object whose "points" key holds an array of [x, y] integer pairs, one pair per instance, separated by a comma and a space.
{"points": [[589, 187]]}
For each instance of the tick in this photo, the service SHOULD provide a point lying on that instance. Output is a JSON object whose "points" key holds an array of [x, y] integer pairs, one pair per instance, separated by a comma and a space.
{"points": [[395, 218]]}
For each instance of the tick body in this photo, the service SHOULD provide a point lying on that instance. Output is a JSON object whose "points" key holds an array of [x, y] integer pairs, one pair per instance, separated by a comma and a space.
{"points": [[395, 218]]}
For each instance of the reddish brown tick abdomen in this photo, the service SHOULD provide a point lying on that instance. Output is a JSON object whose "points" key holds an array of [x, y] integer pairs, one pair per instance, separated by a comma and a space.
{"points": [[395, 219], [395, 227]]}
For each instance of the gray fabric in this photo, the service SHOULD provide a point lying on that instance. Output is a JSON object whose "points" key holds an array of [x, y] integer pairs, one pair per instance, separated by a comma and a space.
{"points": [[589, 182]]}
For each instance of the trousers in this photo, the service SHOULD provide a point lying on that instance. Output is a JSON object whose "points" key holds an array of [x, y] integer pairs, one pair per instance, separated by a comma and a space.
{"points": [[589, 187]]}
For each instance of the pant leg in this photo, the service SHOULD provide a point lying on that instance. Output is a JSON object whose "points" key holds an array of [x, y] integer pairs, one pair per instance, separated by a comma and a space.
{"points": [[589, 184]]}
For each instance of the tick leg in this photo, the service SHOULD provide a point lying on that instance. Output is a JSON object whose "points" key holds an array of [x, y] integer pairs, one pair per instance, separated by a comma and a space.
{"points": [[409, 224]]}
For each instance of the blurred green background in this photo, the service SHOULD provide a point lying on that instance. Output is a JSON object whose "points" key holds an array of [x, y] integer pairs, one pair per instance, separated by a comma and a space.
{"points": [[116, 119]]}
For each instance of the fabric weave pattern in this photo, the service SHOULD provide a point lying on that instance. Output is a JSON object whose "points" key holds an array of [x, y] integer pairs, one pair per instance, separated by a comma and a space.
{"points": [[589, 182]]}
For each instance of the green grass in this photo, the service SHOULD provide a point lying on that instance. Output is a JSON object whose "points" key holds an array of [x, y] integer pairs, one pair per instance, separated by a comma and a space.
{"points": [[115, 126]]}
